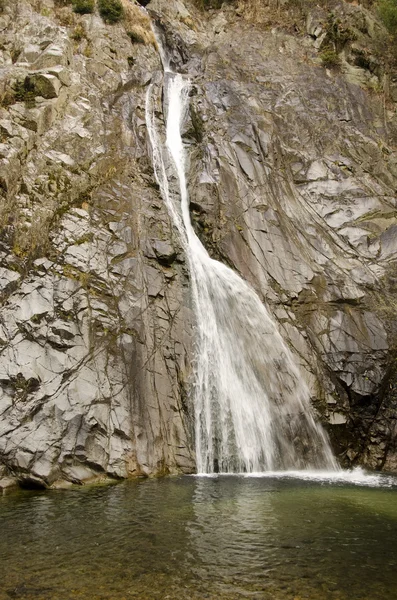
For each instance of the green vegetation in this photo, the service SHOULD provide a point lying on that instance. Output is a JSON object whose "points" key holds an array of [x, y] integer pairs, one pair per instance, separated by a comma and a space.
{"points": [[338, 33], [330, 58], [387, 10], [7, 99], [83, 7], [111, 11]]}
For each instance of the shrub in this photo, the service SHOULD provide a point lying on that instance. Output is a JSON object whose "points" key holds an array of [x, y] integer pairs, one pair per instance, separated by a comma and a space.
{"points": [[330, 58], [338, 32], [83, 7], [111, 11], [387, 10]]}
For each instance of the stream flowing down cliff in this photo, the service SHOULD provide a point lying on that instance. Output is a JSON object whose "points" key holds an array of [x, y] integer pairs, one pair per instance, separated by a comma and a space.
{"points": [[251, 404]]}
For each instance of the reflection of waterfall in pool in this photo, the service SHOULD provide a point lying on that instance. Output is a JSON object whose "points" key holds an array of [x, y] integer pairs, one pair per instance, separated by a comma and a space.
{"points": [[252, 407], [219, 541]]}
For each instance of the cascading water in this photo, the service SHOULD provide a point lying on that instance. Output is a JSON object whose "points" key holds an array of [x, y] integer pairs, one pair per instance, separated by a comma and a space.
{"points": [[252, 407]]}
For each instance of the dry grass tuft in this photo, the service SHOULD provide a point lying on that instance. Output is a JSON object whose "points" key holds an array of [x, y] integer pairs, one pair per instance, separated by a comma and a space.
{"points": [[254, 10], [270, 13], [31, 238], [137, 23]]}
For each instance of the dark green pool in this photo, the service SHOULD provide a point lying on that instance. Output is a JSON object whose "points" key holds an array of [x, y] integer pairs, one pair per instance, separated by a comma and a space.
{"points": [[195, 538]]}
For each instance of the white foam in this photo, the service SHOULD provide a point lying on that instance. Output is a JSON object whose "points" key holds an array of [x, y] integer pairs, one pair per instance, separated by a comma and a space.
{"points": [[357, 476]]}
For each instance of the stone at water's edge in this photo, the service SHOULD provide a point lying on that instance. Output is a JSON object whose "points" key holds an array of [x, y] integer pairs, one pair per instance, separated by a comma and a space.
{"points": [[293, 183]]}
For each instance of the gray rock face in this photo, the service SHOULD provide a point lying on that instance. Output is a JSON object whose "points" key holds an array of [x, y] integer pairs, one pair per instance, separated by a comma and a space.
{"points": [[290, 186], [293, 181], [95, 332]]}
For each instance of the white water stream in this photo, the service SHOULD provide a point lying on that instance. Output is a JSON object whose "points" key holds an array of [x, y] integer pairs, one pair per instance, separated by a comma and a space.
{"points": [[252, 406]]}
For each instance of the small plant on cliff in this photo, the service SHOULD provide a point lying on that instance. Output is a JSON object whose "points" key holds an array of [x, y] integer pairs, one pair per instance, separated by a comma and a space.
{"points": [[338, 33], [78, 33], [83, 7], [330, 58], [7, 98], [111, 11], [387, 10], [135, 37]]}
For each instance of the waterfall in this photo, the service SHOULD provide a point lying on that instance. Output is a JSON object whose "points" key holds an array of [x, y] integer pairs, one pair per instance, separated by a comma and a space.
{"points": [[252, 406]]}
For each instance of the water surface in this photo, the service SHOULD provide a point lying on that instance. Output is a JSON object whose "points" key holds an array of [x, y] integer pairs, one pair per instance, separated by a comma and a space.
{"points": [[267, 538]]}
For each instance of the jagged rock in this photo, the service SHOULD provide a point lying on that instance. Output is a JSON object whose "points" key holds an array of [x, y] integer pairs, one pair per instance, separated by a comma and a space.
{"points": [[7, 277], [45, 85], [82, 346], [292, 183], [337, 419], [163, 251]]}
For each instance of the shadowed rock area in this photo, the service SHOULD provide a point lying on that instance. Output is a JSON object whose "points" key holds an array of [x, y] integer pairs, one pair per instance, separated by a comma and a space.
{"points": [[293, 179]]}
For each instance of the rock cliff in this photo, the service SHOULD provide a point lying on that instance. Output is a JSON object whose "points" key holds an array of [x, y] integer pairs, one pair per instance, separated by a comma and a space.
{"points": [[293, 179]]}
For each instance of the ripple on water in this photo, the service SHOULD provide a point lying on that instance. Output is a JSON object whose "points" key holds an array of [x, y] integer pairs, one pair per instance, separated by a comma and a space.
{"points": [[279, 536]]}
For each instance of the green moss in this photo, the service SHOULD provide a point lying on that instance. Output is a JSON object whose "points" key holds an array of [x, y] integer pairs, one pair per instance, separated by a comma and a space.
{"points": [[7, 99], [74, 273], [387, 10], [88, 237], [83, 7], [111, 11], [197, 123]]}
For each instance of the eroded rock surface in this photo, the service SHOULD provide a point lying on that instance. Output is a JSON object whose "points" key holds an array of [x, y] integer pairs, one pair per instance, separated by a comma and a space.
{"points": [[95, 332], [293, 183], [293, 179]]}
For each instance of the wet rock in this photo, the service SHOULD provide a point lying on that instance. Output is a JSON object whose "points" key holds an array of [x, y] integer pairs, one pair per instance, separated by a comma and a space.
{"points": [[7, 483]]}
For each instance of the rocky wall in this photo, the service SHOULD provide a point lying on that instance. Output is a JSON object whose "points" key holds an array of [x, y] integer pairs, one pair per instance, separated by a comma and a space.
{"points": [[293, 179]]}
